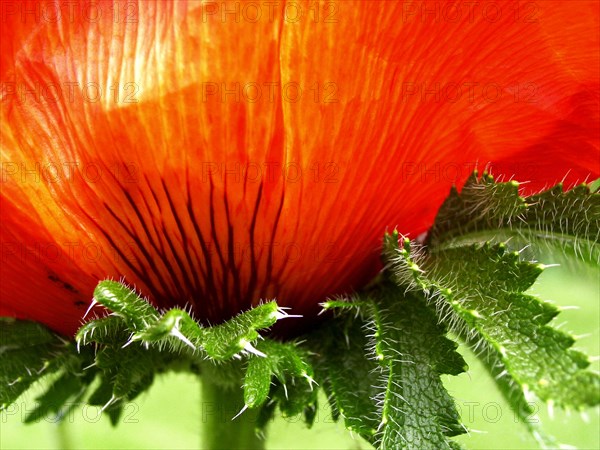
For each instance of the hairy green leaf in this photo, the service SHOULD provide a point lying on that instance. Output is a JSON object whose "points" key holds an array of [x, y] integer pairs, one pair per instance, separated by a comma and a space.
{"points": [[125, 303], [489, 211], [478, 290], [110, 330], [175, 328], [417, 411], [28, 352], [136, 341], [284, 376], [516, 397], [349, 376], [392, 394], [284, 361], [226, 340]]}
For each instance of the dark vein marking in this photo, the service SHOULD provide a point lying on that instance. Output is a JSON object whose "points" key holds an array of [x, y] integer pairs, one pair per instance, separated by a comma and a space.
{"points": [[179, 286], [148, 258], [253, 271], [198, 290], [210, 280], [268, 277], [225, 275], [232, 309]]}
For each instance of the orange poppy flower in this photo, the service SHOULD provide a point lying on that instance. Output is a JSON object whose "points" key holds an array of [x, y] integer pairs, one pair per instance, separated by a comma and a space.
{"points": [[218, 153]]}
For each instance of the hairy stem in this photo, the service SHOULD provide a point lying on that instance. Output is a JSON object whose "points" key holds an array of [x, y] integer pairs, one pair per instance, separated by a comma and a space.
{"points": [[219, 405]]}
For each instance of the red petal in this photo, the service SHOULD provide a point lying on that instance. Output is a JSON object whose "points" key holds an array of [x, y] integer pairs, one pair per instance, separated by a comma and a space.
{"points": [[203, 196]]}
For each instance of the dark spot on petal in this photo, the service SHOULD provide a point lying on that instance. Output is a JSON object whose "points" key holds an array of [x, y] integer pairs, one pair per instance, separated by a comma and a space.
{"points": [[70, 288], [55, 279]]}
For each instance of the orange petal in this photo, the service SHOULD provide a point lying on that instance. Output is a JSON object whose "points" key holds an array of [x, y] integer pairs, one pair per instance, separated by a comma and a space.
{"points": [[215, 160]]}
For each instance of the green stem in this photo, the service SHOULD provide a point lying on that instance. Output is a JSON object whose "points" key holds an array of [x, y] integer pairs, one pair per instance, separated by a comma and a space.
{"points": [[62, 435], [219, 405]]}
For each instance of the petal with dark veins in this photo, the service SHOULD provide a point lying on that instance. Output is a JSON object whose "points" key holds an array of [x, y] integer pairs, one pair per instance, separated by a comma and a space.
{"points": [[215, 162]]}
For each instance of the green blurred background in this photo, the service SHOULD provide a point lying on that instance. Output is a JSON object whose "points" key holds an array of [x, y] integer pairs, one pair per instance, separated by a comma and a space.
{"points": [[171, 414]]}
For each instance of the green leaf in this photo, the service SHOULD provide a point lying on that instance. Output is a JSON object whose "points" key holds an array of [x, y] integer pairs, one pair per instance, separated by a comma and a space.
{"points": [[136, 341], [388, 386], [103, 396], [234, 336], [128, 368], [478, 289], [489, 211], [417, 411], [514, 394], [125, 368], [110, 330], [28, 352], [174, 328], [29, 345], [265, 415], [284, 376], [350, 378], [257, 382], [284, 361], [126, 304], [68, 387]]}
